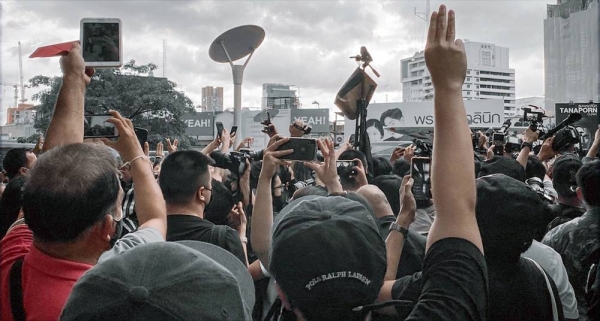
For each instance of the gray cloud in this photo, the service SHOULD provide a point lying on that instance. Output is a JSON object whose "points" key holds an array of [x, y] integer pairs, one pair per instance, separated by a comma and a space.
{"points": [[307, 42]]}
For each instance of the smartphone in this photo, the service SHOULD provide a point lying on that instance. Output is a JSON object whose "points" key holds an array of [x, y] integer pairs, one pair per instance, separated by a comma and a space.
{"points": [[101, 42], [219, 128], [304, 149], [351, 140], [142, 135], [96, 126], [233, 130], [266, 123], [498, 139], [420, 170], [345, 168]]}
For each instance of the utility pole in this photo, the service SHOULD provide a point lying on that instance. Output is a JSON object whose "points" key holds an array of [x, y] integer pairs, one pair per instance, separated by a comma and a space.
{"points": [[23, 99], [164, 71]]}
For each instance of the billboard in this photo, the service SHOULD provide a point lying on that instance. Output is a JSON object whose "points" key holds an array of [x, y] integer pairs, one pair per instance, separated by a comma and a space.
{"points": [[318, 119], [588, 124], [199, 124], [415, 119]]}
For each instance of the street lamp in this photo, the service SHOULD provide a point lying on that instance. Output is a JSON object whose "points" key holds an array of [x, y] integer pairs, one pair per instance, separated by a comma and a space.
{"points": [[316, 103]]}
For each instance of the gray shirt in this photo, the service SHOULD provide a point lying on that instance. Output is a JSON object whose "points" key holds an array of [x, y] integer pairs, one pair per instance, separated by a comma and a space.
{"points": [[127, 242]]}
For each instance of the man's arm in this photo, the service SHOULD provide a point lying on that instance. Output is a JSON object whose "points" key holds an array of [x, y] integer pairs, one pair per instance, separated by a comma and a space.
{"points": [[66, 125], [529, 137], [262, 215], [453, 187], [149, 202]]}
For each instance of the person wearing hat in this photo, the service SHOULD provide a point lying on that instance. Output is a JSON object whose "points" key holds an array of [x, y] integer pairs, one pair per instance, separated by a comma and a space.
{"points": [[184, 280], [327, 256], [578, 238], [72, 207]]}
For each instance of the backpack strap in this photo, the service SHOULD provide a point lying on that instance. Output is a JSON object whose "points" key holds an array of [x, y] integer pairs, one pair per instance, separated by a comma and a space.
{"points": [[16, 291], [555, 315]]}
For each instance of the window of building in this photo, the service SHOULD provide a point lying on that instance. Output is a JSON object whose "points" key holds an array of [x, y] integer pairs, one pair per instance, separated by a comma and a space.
{"points": [[486, 58], [468, 86]]}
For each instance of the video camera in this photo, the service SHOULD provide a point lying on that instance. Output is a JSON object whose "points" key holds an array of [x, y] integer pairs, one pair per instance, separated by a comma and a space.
{"points": [[537, 185], [535, 120], [235, 162], [423, 149], [499, 138]]}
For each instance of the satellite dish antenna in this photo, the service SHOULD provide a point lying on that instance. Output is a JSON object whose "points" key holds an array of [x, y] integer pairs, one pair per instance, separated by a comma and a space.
{"points": [[230, 46]]}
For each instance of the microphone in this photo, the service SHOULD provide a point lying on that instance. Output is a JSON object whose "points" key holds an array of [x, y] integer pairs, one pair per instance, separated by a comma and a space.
{"points": [[568, 121]]}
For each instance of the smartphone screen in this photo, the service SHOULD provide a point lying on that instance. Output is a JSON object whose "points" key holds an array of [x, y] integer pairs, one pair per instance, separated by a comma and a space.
{"points": [[233, 130], [304, 149], [345, 168], [420, 170], [101, 42], [142, 135], [96, 126], [219, 128]]}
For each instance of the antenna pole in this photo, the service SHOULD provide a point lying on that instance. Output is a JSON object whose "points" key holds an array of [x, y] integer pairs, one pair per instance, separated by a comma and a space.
{"points": [[164, 71]]}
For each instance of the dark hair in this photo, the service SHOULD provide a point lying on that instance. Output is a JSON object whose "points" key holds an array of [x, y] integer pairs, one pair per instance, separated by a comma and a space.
{"points": [[217, 211], [14, 160], [535, 168], [390, 186], [588, 179], [381, 166], [71, 188], [11, 203], [395, 113], [401, 167], [375, 123], [182, 174]]}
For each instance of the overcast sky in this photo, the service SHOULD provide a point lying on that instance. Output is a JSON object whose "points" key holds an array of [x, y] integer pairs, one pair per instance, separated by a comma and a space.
{"points": [[307, 43]]}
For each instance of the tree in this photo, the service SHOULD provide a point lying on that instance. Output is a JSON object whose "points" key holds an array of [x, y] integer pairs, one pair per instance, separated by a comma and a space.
{"points": [[150, 102]]}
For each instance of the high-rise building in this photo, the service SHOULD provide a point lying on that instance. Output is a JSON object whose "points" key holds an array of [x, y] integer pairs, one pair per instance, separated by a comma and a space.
{"points": [[23, 114], [572, 52], [488, 76], [212, 98], [278, 96]]}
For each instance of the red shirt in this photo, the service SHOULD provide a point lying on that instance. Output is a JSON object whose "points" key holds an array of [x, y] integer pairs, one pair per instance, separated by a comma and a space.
{"points": [[47, 281]]}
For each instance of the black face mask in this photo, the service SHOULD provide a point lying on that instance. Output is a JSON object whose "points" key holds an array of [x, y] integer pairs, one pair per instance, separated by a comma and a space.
{"points": [[117, 234]]}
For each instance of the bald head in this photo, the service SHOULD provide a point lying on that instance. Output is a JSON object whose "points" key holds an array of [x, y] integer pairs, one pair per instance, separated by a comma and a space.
{"points": [[377, 199]]}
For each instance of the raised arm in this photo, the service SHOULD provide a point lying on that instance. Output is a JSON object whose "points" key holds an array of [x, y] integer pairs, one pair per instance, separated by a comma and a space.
{"points": [[262, 214], [149, 202], [66, 125], [453, 187], [594, 148], [529, 137]]}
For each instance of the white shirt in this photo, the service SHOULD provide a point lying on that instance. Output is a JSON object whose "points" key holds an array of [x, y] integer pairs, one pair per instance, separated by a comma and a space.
{"points": [[552, 263]]}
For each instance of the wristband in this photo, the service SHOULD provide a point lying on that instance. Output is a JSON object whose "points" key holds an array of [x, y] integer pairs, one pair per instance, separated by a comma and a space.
{"points": [[134, 159], [526, 144], [396, 227]]}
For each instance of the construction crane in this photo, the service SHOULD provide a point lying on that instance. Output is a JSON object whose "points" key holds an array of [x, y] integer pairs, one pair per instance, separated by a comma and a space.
{"points": [[16, 97], [424, 15], [23, 99]]}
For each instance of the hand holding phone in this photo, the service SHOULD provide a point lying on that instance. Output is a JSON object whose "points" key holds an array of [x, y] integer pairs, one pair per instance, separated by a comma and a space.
{"points": [[96, 126], [219, 129], [304, 149], [420, 172]]}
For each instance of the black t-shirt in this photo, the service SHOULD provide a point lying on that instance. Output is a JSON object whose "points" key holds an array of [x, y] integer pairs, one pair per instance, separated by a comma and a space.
{"points": [[520, 293], [193, 228], [454, 283], [413, 251]]}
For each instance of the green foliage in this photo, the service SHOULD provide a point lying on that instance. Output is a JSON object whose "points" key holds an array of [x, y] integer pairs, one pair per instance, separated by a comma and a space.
{"points": [[150, 102]]}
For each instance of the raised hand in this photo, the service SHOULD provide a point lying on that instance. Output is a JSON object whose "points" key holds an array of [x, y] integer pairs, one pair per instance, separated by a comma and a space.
{"points": [[147, 149], [361, 176], [408, 204], [127, 144], [73, 65], [159, 150], [237, 219], [409, 152], [444, 55], [327, 170], [172, 148], [39, 146], [271, 156]]}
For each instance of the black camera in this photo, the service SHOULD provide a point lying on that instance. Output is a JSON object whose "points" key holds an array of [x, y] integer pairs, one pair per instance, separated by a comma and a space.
{"points": [[296, 185], [235, 162], [535, 120], [345, 168], [537, 185], [565, 138], [423, 149]]}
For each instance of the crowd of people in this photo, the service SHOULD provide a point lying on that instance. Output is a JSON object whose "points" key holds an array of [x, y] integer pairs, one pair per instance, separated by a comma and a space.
{"points": [[98, 231]]}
